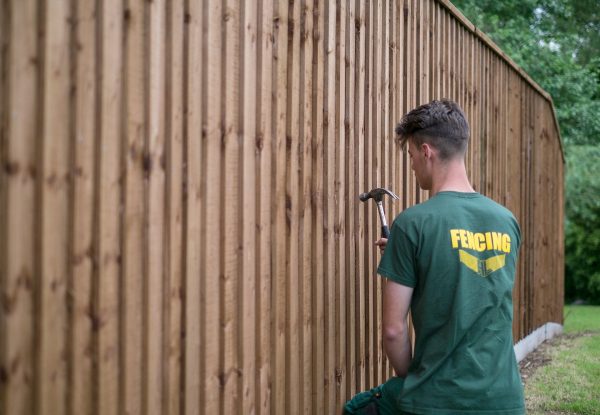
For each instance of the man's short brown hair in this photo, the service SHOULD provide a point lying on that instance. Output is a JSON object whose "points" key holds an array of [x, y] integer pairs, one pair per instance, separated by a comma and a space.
{"points": [[441, 124]]}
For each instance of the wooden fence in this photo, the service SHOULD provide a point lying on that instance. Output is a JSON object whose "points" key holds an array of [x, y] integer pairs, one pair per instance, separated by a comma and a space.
{"points": [[180, 231]]}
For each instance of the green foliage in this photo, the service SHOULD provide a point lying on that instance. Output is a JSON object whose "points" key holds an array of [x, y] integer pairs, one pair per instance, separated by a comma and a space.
{"points": [[557, 42], [546, 40], [583, 223]]}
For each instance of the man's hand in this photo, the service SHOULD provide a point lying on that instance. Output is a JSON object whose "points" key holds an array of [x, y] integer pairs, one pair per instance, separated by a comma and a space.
{"points": [[381, 243]]}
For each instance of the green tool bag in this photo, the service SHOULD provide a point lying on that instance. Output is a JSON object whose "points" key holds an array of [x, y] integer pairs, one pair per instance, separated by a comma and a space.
{"points": [[381, 400], [364, 403]]}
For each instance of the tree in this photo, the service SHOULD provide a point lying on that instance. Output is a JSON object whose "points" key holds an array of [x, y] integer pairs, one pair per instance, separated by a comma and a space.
{"points": [[541, 38]]}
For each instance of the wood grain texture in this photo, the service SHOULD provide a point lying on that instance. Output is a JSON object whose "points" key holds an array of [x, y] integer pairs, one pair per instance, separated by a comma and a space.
{"points": [[209, 197], [82, 238], [197, 242], [19, 193], [135, 96], [109, 212], [247, 127], [155, 234], [265, 169], [53, 157], [174, 166], [179, 220]]}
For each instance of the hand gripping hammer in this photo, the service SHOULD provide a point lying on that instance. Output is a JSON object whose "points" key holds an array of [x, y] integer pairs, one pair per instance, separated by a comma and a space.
{"points": [[377, 195]]}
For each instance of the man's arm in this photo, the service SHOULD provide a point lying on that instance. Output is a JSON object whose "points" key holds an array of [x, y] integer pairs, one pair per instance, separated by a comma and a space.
{"points": [[396, 342]]}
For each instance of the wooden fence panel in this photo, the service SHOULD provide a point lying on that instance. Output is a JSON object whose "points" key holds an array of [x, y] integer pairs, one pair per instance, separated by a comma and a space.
{"points": [[179, 221]]}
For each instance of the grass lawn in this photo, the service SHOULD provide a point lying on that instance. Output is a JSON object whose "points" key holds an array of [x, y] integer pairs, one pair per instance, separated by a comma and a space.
{"points": [[570, 383]]}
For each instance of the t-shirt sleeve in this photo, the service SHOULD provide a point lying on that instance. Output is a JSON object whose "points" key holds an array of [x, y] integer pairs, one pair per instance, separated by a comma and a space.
{"points": [[399, 257]]}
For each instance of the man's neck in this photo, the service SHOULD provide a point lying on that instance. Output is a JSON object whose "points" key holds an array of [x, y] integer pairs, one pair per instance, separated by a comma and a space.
{"points": [[451, 177]]}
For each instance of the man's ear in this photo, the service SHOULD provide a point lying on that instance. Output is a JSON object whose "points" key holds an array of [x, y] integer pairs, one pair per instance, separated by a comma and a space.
{"points": [[427, 150]]}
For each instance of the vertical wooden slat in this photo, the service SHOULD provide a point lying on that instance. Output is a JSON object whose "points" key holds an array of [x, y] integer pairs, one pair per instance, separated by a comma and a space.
{"points": [[466, 86], [18, 260], [366, 12], [376, 179], [455, 41], [54, 157], [424, 61], [524, 203], [294, 375], [328, 215], [350, 197], [452, 58], [385, 155], [199, 371], [462, 60], [319, 199], [399, 98], [339, 185], [172, 303], [209, 194], [133, 200], [473, 90], [395, 113], [424, 50], [476, 120], [81, 271], [513, 170], [279, 200], [108, 181], [388, 128], [435, 50], [482, 123], [443, 36], [470, 91], [520, 146], [368, 184], [537, 234], [305, 192], [361, 241], [247, 131], [560, 177], [264, 142], [504, 110], [486, 125], [531, 297], [229, 206], [155, 212], [493, 138], [501, 134], [412, 90], [4, 98]]}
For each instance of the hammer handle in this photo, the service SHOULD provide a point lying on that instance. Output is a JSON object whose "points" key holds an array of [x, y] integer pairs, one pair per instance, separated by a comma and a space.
{"points": [[385, 232]]}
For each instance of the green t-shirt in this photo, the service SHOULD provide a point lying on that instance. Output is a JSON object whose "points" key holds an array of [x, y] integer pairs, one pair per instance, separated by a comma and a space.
{"points": [[459, 252]]}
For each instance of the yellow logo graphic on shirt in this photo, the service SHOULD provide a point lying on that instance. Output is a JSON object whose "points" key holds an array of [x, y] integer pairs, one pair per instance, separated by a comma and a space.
{"points": [[483, 267], [480, 242]]}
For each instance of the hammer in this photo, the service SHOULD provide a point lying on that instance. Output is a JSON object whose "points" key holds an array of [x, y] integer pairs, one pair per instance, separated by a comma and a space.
{"points": [[377, 195]]}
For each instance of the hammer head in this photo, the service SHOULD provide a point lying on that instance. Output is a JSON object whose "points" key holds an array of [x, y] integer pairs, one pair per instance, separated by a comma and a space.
{"points": [[377, 194]]}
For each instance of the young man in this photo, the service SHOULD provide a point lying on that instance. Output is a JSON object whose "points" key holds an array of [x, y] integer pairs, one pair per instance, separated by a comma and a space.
{"points": [[452, 261]]}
